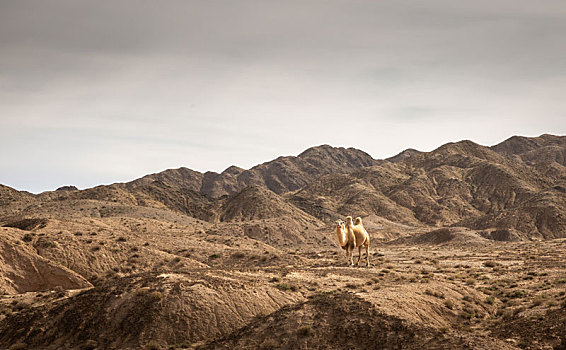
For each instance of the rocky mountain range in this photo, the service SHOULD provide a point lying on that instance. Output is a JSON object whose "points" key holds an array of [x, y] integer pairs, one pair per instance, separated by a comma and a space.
{"points": [[465, 238], [518, 185]]}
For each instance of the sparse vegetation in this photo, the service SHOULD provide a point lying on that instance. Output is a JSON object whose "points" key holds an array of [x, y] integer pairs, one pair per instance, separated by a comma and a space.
{"points": [[305, 331], [517, 294], [44, 242], [286, 286], [142, 291], [269, 344], [238, 255], [153, 346], [155, 295], [184, 345], [436, 294], [537, 301], [18, 346], [90, 344]]}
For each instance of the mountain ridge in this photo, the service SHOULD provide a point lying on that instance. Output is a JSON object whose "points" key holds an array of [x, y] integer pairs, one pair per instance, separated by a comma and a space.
{"points": [[459, 183]]}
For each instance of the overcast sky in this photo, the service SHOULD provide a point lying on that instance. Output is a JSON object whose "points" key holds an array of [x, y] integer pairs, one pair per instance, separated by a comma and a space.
{"points": [[95, 92]]}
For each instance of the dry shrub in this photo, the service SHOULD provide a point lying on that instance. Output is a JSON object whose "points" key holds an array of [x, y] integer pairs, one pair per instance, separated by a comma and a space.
{"points": [[537, 301], [155, 296], [305, 331], [438, 295], [286, 286], [44, 242], [238, 255], [152, 346], [184, 345], [90, 345], [269, 344], [142, 291]]}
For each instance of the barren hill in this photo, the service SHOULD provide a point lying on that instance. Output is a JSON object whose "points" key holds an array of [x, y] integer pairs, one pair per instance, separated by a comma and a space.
{"points": [[534, 150], [256, 202], [279, 175], [461, 184]]}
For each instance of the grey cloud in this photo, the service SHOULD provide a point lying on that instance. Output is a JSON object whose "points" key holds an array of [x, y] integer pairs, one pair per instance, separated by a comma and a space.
{"points": [[136, 86]]}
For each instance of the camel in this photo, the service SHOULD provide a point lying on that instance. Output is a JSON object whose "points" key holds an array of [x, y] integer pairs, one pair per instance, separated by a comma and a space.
{"points": [[362, 237], [351, 235], [346, 242]]}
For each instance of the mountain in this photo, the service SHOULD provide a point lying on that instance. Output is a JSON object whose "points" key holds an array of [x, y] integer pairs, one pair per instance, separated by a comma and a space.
{"points": [[463, 240], [458, 184], [256, 202], [279, 175], [362, 192], [519, 184], [142, 309], [10, 196], [534, 150], [403, 155]]}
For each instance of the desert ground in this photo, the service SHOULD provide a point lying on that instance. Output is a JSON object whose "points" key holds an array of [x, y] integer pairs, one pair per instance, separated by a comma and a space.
{"points": [[468, 247]]}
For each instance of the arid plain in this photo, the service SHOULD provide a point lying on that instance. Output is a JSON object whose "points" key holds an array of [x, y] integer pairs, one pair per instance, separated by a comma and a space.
{"points": [[468, 250]]}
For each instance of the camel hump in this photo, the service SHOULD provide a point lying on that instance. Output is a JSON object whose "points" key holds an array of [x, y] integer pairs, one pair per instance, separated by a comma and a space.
{"points": [[358, 221]]}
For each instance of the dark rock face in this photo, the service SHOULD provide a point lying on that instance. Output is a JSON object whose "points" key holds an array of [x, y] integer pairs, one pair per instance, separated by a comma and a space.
{"points": [[67, 188]]}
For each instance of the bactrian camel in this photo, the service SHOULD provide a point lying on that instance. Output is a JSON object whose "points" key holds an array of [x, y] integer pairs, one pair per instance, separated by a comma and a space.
{"points": [[351, 235]]}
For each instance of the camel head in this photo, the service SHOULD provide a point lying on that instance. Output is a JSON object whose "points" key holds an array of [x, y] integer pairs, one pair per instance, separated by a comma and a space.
{"points": [[339, 223]]}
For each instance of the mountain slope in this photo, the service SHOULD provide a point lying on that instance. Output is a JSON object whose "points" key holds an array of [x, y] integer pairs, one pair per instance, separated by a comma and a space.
{"points": [[279, 175], [519, 184], [460, 184], [255, 202], [534, 150]]}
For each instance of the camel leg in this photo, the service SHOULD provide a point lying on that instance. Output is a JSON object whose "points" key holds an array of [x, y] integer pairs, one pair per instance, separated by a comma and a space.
{"points": [[359, 255], [367, 254], [351, 256]]}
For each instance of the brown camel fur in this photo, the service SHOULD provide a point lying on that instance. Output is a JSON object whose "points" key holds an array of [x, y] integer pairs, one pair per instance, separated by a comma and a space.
{"points": [[361, 238], [346, 239]]}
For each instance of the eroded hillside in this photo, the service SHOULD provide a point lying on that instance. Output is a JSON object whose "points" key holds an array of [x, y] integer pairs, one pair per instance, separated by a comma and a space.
{"points": [[467, 251]]}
